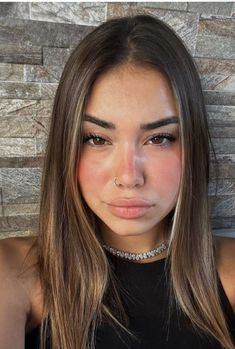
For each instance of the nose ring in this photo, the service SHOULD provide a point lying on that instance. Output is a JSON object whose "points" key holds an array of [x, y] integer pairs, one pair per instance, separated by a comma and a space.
{"points": [[115, 181]]}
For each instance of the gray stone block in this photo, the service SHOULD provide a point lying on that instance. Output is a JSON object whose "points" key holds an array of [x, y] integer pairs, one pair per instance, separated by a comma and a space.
{"points": [[233, 9], [15, 31], [12, 147], [181, 6], [11, 72], [226, 158], [218, 82], [54, 60], [23, 118], [18, 108], [20, 162], [38, 73], [223, 223], [24, 127], [1, 205], [21, 209], [19, 90], [20, 53], [48, 90], [219, 98], [223, 206], [55, 56], [217, 26], [219, 115], [215, 46], [19, 233], [230, 233], [14, 223], [226, 84], [222, 132], [222, 187], [215, 8], [207, 66], [86, 13], [224, 167], [224, 145], [41, 146], [118, 9], [20, 185], [14, 9]]}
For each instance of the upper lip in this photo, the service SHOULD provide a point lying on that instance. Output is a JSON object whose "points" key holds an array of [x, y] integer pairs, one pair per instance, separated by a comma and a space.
{"points": [[130, 202]]}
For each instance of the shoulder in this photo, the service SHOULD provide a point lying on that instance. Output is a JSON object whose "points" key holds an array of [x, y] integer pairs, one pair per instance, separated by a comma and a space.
{"points": [[14, 253], [225, 252], [225, 262], [15, 248], [18, 270]]}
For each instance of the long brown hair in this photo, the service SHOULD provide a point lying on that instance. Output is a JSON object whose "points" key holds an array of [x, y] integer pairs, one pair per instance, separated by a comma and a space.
{"points": [[74, 270]]}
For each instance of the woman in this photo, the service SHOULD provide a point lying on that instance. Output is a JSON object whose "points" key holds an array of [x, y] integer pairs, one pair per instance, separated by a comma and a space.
{"points": [[125, 257]]}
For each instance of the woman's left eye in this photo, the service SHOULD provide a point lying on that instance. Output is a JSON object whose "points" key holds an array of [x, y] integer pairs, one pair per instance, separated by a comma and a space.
{"points": [[162, 139]]}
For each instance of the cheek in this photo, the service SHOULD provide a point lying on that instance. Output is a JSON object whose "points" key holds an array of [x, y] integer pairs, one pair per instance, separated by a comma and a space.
{"points": [[91, 174], [167, 173]]}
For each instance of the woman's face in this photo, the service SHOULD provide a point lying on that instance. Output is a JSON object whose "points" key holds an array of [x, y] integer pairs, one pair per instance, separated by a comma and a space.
{"points": [[131, 133]]}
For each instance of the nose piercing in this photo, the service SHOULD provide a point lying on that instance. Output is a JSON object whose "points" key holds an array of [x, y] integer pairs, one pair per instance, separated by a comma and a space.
{"points": [[115, 181], [118, 183]]}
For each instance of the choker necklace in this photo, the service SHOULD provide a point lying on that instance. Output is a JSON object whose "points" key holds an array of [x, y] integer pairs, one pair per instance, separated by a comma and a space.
{"points": [[137, 256]]}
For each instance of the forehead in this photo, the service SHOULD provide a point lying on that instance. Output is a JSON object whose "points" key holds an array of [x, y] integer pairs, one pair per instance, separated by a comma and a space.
{"points": [[132, 93]]}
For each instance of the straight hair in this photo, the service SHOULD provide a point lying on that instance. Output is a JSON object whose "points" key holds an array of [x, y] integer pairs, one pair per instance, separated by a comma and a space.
{"points": [[75, 273]]}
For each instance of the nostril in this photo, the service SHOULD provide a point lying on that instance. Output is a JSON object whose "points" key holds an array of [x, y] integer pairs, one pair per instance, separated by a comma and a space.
{"points": [[128, 182]]}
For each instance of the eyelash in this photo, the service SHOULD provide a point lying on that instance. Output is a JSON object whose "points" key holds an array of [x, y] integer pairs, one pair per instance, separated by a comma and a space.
{"points": [[91, 136]]}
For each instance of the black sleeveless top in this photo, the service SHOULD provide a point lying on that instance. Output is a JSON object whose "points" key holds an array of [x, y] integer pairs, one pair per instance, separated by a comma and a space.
{"points": [[144, 291]]}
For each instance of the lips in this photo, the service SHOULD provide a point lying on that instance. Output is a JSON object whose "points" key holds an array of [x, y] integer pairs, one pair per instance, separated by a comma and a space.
{"points": [[129, 208]]}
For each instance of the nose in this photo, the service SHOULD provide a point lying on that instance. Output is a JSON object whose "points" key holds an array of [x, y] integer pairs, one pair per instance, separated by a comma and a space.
{"points": [[129, 171]]}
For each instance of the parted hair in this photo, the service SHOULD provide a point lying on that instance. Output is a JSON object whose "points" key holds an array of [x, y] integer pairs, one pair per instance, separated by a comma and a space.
{"points": [[76, 276]]}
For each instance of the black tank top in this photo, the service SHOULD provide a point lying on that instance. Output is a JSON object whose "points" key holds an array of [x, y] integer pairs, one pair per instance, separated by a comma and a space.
{"points": [[144, 291]]}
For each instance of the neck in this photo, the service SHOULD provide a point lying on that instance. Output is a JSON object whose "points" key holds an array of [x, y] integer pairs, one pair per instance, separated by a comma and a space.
{"points": [[140, 257]]}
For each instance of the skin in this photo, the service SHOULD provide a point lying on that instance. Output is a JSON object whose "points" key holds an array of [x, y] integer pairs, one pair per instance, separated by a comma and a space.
{"points": [[21, 307], [152, 172], [145, 167]]}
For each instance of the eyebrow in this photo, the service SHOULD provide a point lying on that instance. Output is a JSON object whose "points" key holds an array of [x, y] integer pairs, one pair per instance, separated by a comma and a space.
{"points": [[146, 127]]}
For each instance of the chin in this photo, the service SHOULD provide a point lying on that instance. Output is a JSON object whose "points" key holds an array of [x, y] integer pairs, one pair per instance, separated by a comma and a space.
{"points": [[125, 234], [130, 230]]}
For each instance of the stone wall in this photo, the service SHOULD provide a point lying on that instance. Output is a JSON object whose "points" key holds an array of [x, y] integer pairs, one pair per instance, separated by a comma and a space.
{"points": [[35, 41]]}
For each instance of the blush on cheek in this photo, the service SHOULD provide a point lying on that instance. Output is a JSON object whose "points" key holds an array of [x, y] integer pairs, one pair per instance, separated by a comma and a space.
{"points": [[90, 174], [169, 174], [85, 173]]}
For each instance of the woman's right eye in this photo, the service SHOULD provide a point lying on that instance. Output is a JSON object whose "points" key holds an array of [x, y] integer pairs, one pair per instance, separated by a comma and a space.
{"points": [[94, 140]]}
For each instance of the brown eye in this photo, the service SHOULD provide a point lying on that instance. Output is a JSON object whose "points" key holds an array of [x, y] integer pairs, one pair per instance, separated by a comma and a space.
{"points": [[98, 141], [157, 140], [94, 140], [161, 139]]}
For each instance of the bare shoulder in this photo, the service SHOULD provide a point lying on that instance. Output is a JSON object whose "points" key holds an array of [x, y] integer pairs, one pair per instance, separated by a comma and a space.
{"points": [[18, 269], [225, 260], [15, 248], [13, 255], [225, 248]]}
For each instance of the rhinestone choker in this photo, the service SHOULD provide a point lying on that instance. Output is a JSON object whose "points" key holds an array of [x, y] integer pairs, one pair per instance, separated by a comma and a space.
{"points": [[137, 256]]}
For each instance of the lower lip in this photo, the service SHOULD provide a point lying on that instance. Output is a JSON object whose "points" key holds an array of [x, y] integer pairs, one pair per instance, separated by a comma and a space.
{"points": [[128, 212]]}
